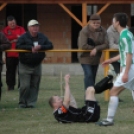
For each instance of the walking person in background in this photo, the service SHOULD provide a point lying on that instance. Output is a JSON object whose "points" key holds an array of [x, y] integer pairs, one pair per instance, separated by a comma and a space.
{"points": [[12, 32], [92, 37], [30, 63], [4, 45]]}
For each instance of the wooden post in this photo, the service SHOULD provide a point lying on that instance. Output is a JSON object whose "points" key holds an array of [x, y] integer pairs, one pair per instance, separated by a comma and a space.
{"points": [[71, 14], [84, 14], [103, 8], [2, 6], [61, 88]]}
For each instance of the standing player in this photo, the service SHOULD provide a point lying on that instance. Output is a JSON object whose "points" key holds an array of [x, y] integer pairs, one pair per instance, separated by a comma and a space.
{"points": [[126, 57]]}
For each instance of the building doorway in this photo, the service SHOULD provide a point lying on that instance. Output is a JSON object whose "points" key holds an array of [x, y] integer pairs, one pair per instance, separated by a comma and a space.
{"points": [[16, 11], [132, 21], [22, 13], [29, 13], [77, 11]]}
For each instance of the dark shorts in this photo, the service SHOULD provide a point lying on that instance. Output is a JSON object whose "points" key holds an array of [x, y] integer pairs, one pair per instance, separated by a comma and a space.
{"points": [[89, 113]]}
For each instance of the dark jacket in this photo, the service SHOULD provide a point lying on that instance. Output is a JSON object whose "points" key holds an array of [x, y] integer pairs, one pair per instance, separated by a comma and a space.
{"points": [[100, 38], [26, 42], [4, 45]]}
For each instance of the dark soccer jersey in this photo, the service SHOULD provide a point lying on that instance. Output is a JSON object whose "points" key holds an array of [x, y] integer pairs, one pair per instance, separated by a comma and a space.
{"points": [[84, 114]]}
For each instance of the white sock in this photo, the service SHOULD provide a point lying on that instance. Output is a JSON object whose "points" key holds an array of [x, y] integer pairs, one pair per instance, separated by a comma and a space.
{"points": [[113, 104]]}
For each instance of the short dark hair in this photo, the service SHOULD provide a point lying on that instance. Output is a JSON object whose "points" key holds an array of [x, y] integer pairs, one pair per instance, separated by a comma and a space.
{"points": [[122, 18], [10, 18]]}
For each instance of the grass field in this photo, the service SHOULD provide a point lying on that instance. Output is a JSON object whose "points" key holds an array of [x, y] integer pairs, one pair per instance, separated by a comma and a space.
{"points": [[40, 119]]}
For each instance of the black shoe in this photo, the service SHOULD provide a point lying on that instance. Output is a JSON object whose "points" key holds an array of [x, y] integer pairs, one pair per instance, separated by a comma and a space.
{"points": [[110, 77], [30, 107], [22, 106], [10, 88]]}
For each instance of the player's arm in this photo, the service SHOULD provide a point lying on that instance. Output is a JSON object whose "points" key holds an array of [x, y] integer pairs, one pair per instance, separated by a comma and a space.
{"points": [[128, 62], [72, 101], [67, 93], [128, 65], [116, 58], [129, 53], [106, 62]]}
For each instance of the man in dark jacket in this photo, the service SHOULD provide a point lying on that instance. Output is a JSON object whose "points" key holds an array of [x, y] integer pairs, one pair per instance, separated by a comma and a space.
{"points": [[30, 63], [4, 45]]}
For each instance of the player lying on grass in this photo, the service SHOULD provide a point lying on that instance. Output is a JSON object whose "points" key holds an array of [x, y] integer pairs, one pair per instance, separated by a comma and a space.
{"points": [[66, 111]]}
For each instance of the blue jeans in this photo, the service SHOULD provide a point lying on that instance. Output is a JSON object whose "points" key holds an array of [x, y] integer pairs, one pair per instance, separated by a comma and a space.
{"points": [[89, 74]]}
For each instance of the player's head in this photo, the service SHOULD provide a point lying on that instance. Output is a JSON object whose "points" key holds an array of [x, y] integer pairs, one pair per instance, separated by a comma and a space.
{"points": [[120, 19], [55, 101]]}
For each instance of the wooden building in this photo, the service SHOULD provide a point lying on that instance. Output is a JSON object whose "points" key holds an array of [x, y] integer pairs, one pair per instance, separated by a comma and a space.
{"points": [[61, 20]]}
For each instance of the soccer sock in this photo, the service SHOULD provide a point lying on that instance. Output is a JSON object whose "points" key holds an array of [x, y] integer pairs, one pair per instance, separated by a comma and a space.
{"points": [[113, 104]]}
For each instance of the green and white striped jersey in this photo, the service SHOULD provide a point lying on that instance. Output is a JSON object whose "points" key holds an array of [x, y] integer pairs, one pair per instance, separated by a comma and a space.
{"points": [[126, 45]]}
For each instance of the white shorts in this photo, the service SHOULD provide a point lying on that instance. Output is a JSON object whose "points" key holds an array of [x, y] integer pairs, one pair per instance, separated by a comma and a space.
{"points": [[130, 84]]}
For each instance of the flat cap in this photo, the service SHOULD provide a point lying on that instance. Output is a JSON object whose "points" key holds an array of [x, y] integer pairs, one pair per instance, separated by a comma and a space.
{"points": [[95, 17]]}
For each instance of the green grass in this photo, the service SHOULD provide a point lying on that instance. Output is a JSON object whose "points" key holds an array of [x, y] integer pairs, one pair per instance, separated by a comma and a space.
{"points": [[41, 121]]}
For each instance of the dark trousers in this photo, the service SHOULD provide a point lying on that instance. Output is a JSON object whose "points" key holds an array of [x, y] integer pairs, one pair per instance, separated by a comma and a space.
{"points": [[89, 74], [0, 81], [29, 85], [116, 66], [11, 66]]}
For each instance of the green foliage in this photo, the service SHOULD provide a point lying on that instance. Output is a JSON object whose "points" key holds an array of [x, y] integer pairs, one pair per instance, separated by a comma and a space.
{"points": [[41, 121]]}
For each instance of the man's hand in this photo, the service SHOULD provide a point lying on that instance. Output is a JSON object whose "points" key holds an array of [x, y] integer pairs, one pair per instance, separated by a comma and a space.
{"points": [[93, 52], [18, 35], [125, 78], [36, 49], [66, 78], [15, 40], [33, 50]]}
